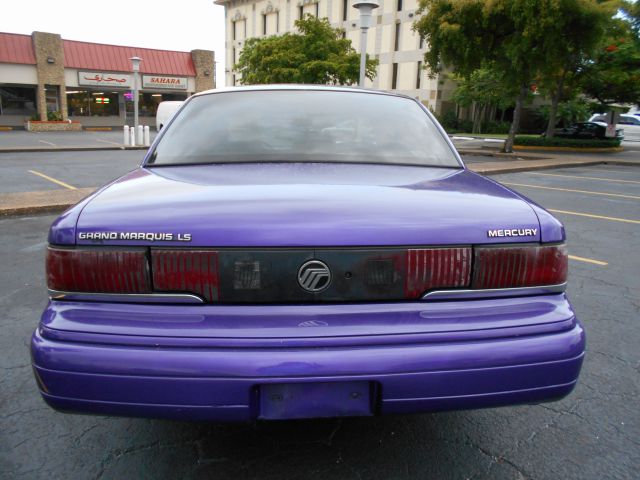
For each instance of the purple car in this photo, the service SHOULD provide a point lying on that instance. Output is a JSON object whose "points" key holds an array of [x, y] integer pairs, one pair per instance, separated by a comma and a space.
{"points": [[293, 252]]}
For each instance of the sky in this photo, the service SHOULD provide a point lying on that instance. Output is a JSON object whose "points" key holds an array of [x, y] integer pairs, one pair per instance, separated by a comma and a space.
{"points": [[168, 25]]}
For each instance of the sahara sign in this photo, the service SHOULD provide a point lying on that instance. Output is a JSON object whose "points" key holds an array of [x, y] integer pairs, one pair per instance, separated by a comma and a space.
{"points": [[156, 81], [122, 80]]}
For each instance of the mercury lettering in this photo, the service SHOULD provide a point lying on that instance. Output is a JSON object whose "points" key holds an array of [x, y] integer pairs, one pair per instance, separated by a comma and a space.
{"points": [[513, 232]]}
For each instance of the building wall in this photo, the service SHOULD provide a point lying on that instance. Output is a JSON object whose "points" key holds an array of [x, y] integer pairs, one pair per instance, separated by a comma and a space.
{"points": [[245, 18], [50, 80], [19, 74]]}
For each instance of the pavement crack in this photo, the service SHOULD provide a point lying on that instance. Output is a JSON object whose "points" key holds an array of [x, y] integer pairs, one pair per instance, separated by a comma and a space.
{"points": [[329, 441]]}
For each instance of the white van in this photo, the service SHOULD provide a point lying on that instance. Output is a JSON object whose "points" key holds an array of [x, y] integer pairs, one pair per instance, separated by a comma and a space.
{"points": [[165, 112], [630, 124]]}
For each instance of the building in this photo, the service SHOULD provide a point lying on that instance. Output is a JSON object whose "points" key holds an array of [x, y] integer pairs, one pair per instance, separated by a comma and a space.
{"points": [[399, 49], [92, 83]]}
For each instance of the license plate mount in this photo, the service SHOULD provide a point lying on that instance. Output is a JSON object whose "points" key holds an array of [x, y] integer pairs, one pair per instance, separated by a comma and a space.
{"points": [[279, 401]]}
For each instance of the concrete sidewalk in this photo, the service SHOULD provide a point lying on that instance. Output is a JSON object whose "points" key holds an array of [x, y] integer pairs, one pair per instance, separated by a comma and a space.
{"points": [[23, 203]]}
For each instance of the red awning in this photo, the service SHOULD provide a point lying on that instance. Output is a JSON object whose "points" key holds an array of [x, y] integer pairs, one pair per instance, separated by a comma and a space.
{"points": [[16, 48], [97, 56]]}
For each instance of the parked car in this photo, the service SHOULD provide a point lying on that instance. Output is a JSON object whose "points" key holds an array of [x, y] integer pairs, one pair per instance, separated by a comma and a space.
{"points": [[586, 130], [164, 113], [263, 264], [630, 124]]}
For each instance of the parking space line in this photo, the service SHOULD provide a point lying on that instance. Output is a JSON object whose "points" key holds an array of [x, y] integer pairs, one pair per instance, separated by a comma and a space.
{"points": [[589, 192], [591, 215], [585, 178], [588, 260], [120, 144], [58, 182]]}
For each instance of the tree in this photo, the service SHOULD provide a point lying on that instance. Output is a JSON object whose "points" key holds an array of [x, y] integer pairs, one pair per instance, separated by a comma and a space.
{"points": [[578, 28], [517, 37], [482, 89], [613, 74], [316, 55], [631, 10]]}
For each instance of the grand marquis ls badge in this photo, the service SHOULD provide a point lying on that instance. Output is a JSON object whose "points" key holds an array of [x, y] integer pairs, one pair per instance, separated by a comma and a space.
{"points": [[314, 276], [147, 236]]}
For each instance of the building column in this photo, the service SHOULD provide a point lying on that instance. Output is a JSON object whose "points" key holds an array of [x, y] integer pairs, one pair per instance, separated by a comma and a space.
{"points": [[41, 102], [204, 63], [49, 52]]}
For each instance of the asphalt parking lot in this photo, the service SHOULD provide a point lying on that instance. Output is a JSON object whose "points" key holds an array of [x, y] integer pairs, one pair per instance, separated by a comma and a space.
{"points": [[85, 138], [31, 171], [592, 434]]}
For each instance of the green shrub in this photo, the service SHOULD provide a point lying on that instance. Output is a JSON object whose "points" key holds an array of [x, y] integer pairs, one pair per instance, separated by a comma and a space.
{"points": [[565, 142], [496, 127], [449, 121], [569, 112], [54, 116], [465, 126]]}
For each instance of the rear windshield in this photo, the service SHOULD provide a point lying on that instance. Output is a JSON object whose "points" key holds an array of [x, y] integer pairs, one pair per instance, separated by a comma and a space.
{"points": [[303, 126]]}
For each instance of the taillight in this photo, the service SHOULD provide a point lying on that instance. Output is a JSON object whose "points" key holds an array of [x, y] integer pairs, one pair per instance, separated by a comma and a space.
{"points": [[98, 270], [519, 266], [188, 271], [431, 268]]}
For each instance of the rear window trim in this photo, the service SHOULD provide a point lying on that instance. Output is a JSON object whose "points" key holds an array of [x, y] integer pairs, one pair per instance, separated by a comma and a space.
{"points": [[258, 162]]}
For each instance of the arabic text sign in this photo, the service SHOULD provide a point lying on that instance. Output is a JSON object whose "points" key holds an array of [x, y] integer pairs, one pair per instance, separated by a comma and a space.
{"points": [[104, 79], [157, 81]]}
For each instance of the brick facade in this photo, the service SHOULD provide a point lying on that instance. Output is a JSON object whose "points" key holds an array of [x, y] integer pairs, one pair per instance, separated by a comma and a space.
{"points": [[204, 62]]}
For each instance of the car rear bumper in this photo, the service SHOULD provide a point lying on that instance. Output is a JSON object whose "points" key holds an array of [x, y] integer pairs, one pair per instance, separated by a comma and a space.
{"points": [[120, 375]]}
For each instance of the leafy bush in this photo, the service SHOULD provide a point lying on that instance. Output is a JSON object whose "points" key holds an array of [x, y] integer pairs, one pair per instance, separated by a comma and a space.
{"points": [[569, 112], [565, 142], [497, 127], [54, 116], [449, 121], [465, 126]]}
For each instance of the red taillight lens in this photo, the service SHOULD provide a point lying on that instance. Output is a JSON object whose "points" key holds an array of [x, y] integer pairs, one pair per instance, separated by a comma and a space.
{"points": [[432, 268], [191, 271], [97, 270], [519, 266]]}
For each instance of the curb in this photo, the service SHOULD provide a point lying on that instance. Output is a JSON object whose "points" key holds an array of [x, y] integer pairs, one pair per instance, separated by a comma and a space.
{"points": [[67, 149], [45, 201], [516, 166], [534, 148], [511, 156]]}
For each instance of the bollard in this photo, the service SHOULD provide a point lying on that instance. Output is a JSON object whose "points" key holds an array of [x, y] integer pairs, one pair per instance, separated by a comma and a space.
{"points": [[132, 136], [126, 135], [147, 136], [139, 135]]}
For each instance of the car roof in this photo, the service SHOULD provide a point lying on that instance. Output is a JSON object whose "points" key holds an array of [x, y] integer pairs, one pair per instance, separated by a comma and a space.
{"points": [[302, 87], [622, 115]]}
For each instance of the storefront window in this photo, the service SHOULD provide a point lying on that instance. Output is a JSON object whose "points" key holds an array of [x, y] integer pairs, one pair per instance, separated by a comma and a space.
{"points": [[51, 94], [148, 102], [17, 101], [87, 103]]}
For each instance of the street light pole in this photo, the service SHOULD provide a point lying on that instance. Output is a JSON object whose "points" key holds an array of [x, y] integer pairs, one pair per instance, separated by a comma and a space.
{"points": [[365, 7], [135, 62]]}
